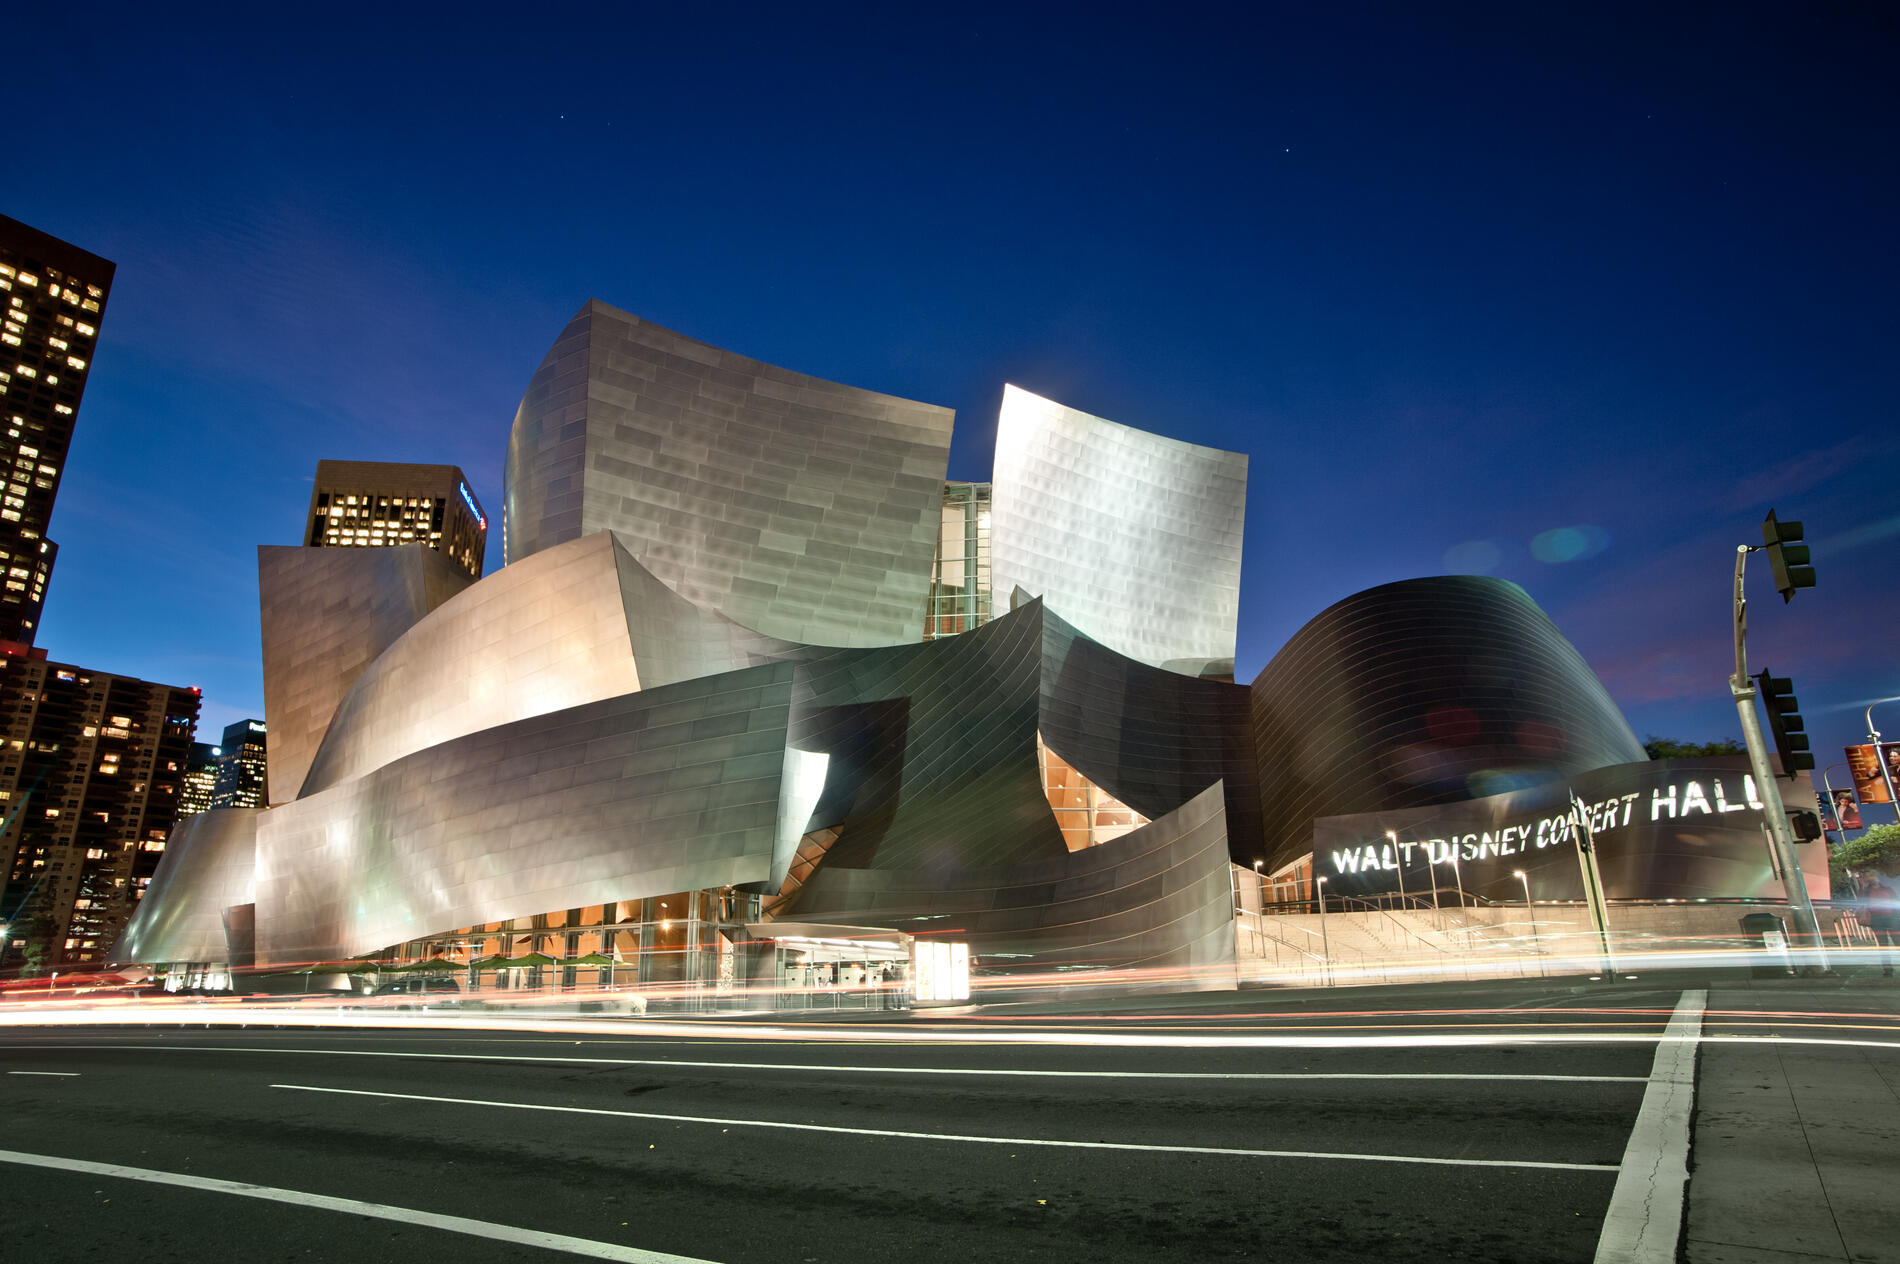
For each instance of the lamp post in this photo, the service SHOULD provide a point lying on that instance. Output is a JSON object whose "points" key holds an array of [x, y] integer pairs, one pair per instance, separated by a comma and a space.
{"points": [[1398, 859], [1537, 944], [1260, 907], [1325, 945], [1886, 773]]}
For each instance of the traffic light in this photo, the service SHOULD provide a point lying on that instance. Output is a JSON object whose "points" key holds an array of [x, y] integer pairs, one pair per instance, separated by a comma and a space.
{"points": [[1785, 722], [1788, 559], [1806, 825]]}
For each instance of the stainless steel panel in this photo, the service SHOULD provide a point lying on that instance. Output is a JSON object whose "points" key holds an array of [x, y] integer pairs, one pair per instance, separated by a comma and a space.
{"points": [[1158, 898], [575, 623], [326, 614], [1423, 692], [210, 865], [658, 791], [1133, 538], [797, 507]]}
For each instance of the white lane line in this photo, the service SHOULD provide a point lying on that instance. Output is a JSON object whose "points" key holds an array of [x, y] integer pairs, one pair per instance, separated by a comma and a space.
{"points": [[871, 1070], [951, 1136], [1645, 1216], [351, 1206], [64, 1075]]}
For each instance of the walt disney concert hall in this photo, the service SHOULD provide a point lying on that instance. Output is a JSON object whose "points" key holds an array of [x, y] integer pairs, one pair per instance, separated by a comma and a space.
{"points": [[754, 673]]}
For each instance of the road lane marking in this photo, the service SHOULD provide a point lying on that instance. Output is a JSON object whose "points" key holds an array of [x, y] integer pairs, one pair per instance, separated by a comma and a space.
{"points": [[952, 1136], [1645, 1216], [869, 1070], [65, 1075], [351, 1206]]}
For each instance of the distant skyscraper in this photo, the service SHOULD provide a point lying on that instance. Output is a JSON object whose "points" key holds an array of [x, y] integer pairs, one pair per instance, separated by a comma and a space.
{"points": [[240, 780], [201, 779], [369, 503], [91, 772], [53, 294]]}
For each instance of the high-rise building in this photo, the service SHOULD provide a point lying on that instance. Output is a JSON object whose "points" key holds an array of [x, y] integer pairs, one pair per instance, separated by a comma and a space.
{"points": [[91, 773], [201, 779], [241, 767], [53, 294], [369, 503]]}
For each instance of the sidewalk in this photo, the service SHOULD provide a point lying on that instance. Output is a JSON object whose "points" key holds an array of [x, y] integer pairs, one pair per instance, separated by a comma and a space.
{"points": [[1796, 1149]]}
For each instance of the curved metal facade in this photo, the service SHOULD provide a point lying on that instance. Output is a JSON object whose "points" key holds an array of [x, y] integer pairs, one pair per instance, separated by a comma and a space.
{"points": [[932, 748], [326, 614], [573, 624], [1158, 898], [797, 507], [1131, 537], [209, 867], [1150, 737], [1422, 692], [657, 791]]}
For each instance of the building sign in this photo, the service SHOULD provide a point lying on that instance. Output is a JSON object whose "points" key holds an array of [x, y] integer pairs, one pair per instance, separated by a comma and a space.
{"points": [[1663, 829], [468, 498]]}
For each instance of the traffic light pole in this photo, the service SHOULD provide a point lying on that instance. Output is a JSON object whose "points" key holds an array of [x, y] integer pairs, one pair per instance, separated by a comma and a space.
{"points": [[1742, 686]]}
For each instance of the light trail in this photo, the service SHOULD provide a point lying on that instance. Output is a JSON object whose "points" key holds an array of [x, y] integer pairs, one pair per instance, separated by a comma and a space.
{"points": [[795, 1034]]}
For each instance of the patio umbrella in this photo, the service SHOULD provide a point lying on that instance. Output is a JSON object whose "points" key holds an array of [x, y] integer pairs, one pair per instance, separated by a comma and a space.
{"points": [[434, 965], [591, 959], [529, 960], [496, 962]]}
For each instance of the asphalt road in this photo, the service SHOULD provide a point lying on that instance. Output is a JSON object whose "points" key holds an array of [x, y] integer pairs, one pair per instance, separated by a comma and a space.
{"points": [[918, 1141]]}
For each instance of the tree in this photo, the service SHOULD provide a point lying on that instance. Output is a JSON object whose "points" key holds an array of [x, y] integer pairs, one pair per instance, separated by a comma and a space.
{"points": [[1667, 748], [1876, 851]]}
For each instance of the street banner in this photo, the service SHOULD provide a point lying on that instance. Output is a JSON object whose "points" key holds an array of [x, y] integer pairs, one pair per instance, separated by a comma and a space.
{"points": [[1846, 810], [1863, 765]]}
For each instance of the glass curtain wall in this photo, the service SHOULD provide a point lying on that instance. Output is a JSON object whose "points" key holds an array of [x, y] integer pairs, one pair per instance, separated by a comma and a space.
{"points": [[960, 578]]}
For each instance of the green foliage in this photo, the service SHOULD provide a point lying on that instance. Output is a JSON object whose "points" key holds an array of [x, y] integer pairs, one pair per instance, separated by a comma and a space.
{"points": [[1878, 850], [1667, 748]]}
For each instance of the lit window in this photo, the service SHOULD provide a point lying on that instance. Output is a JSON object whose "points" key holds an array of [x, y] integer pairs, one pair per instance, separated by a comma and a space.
{"points": [[75, 362], [85, 329], [27, 278]]}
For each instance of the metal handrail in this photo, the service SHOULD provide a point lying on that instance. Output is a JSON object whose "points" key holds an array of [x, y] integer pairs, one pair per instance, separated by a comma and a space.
{"points": [[1369, 906]]}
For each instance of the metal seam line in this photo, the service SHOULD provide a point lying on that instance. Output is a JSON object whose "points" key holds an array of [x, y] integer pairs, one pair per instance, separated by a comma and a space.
{"points": [[861, 1070], [354, 1207], [1644, 1221], [951, 1136], [64, 1075]]}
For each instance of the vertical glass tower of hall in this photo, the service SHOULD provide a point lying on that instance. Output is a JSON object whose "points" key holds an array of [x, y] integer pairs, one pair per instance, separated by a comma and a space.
{"points": [[379, 503], [53, 295]]}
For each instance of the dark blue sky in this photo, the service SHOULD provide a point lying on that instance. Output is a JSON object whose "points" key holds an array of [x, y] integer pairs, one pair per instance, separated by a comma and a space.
{"points": [[1454, 280]]}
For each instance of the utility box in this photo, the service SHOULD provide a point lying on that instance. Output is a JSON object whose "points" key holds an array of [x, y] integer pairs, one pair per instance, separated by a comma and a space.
{"points": [[1768, 937]]}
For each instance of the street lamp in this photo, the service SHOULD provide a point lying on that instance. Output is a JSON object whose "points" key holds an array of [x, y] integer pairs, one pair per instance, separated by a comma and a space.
{"points": [[1260, 907], [1886, 773], [1537, 945], [1398, 858], [1325, 946]]}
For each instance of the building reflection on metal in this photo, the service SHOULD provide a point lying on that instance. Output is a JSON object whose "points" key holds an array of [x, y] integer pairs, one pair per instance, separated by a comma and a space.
{"points": [[744, 668]]}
